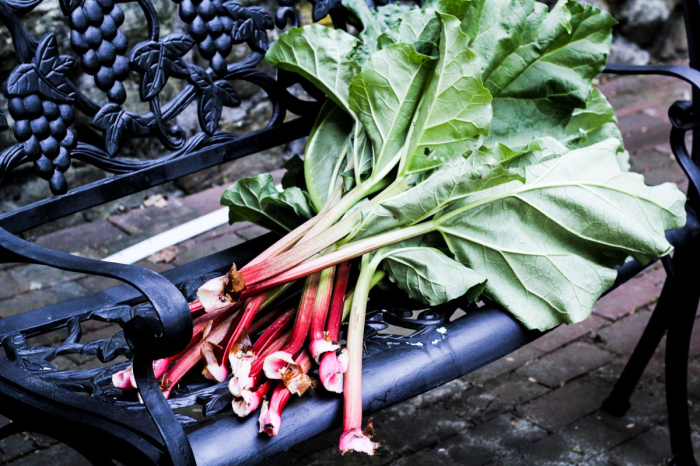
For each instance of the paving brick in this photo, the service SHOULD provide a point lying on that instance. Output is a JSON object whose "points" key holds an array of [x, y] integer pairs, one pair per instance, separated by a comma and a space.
{"points": [[564, 334], [694, 378], [592, 437], [651, 448], [94, 283], [469, 450], [609, 373], [566, 363], [153, 220], [10, 286], [524, 355], [205, 248], [58, 455], [648, 408], [405, 433], [13, 447], [497, 396], [509, 431], [251, 232], [32, 277], [634, 294], [565, 405], [424, 458], [622, 336], [655, 131], [695, 340], [92, 235], [41, 298], [552, 449]]}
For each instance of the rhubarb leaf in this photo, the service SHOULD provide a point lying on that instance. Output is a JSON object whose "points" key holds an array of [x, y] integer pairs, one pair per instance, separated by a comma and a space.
{"points": [[245, 199], [325, 152], [455, 108], [452, 182], [294, 199], [418, 27], [294, 176], [319, 54], [430, 276], [537, 85], [547, 247], [373, 22], [384, 96]]}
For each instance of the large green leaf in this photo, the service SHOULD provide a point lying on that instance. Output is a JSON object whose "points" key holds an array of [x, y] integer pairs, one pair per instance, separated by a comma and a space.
{"points": [[293, 199], [418, 27], [384, 96], [319, 54], [373, 23], [326, 151], [245, 199], [429, 275], [452, 182], [455, 108], [546, 247], [537, 85]]}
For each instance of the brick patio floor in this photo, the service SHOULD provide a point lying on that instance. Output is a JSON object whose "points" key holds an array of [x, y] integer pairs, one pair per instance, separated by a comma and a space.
{"points": [[539, 405]]}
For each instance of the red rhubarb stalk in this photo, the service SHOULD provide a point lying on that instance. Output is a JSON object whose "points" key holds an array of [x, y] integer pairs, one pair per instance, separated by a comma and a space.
{"points": [[354, 438], [249, 400], [334, 365], [347, 252], [277, 362], [192, 356], [245, 381], [270, 418], [319, 343]]}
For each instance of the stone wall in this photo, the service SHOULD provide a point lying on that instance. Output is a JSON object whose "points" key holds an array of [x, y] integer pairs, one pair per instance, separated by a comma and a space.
{"points": [[649, 30]]}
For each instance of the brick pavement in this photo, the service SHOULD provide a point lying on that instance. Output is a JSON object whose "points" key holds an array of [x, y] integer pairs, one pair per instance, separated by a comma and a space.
{"points": [[538, 405]]}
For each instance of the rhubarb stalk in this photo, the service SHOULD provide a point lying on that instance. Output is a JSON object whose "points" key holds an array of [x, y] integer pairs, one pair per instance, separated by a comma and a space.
{"points": [[320, 343], [334, 365], [270, 418], [277, 362], [354, 438]]}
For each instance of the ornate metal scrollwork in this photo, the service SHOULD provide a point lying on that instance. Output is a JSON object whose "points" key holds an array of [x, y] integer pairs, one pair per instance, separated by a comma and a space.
{"points": [[42, 99]]}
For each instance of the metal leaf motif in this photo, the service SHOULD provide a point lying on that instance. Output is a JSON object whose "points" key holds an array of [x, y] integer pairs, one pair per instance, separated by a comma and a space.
{"points": [[22, 6], [67, 6], [52, 69], [322, 8], [3, 121], [118, 124], [213, 96], [160, 60], [23, 80], [249, 25]]}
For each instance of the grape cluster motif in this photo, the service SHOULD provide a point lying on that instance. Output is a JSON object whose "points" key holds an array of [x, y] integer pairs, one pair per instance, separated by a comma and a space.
{"points": [[39, 100], [210, 26], [95, 34]]}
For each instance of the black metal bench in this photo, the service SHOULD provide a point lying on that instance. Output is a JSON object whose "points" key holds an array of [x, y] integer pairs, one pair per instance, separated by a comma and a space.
{"points": [[80, 408]]}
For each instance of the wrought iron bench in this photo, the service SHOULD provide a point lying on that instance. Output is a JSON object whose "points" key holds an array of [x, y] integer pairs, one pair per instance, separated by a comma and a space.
{"points": [[79, 407]]}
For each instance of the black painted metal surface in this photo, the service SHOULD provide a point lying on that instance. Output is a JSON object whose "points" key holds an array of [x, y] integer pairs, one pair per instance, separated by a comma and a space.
{"points": [[81, 408]]}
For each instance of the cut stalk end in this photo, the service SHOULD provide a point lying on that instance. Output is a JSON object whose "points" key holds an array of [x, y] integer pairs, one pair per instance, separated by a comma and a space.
{"points": [[275, 363], [269, 420], [320, 346], [359, 441], [331, 370]]}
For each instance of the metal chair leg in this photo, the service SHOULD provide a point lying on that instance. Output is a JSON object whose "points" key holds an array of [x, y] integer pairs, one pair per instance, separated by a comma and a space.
{"points": [[618, 402], [677, 349]]}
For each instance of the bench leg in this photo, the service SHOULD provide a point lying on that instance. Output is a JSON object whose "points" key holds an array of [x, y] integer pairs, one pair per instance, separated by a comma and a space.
{"points": [[677, 348], [618, 402]]}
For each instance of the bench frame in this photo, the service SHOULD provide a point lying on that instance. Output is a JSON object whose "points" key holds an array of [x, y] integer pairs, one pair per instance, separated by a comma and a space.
{"points": [[152, 308]]}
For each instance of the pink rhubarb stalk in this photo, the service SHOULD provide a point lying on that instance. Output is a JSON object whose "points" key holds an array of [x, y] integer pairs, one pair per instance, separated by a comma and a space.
{"points": [[270, 418], [190, 357], [347, 252], [333, 366], [354, 438], [320, 343], [278, 362], [240, 383], [249, 400], [242, 377]]}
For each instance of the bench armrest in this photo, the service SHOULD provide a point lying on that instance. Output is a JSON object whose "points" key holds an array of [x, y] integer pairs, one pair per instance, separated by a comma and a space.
{"points": [[149, 340], [682, 114]]}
